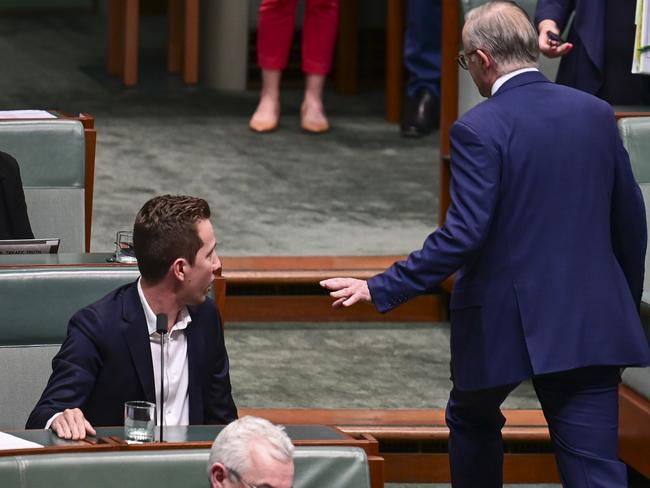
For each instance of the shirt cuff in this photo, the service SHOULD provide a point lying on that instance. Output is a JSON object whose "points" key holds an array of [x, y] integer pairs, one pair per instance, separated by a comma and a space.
{"points": [[49, 422]]}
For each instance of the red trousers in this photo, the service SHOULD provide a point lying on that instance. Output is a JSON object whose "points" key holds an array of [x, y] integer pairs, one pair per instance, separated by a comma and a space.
{"points": [[275, 34]]}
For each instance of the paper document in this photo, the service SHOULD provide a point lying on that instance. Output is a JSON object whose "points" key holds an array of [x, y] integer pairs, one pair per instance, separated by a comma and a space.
{"points": [[641, 59], [8, 441], [26, 114]]}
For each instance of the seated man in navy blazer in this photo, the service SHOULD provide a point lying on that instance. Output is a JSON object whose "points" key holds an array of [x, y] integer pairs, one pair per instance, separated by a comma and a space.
{"points": [[546, 233], [111, 353]]}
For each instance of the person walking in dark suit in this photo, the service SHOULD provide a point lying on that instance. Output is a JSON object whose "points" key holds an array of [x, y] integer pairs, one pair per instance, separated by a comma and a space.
{"points": [[111, 347], [422, 62], [547, 235], [14, 221], [597, 58]]}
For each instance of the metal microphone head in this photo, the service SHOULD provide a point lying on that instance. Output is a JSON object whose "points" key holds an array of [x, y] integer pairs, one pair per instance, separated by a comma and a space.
{"points": [[161, 323]]}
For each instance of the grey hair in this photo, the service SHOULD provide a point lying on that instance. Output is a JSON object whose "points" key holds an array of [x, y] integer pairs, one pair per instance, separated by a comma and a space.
{"points": [[232, 446], [504, 30]]}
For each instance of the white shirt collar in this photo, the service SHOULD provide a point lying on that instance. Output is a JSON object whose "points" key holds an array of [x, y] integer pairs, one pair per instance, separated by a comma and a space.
{"points": [[502, 79], [183, 319]]}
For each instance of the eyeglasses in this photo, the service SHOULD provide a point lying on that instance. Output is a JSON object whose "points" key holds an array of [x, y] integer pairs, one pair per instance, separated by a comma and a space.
{"points": [[463, 59], [238, 477]]}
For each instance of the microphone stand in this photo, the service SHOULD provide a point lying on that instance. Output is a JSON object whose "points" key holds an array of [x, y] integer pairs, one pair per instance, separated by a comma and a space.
{"points": [[161, 328]]}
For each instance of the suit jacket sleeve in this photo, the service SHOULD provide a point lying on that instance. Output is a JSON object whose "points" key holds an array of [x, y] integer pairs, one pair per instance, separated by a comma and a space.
{"points": [[14, 222], [74, 370], [220, 406], [476, 168], [628, 217], [557, 10]]}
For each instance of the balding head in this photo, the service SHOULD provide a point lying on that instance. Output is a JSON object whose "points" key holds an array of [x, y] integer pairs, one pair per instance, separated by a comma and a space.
{"points": [[504, 31]]}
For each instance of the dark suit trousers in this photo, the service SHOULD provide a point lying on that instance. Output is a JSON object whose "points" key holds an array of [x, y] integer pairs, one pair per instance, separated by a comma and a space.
{"points": [[581, 408]]}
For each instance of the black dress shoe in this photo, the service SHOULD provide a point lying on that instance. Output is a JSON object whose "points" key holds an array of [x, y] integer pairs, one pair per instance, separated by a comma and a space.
{"points": [[421, 115]]}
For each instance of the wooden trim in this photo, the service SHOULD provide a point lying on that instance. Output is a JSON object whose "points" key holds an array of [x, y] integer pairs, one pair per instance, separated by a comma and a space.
{"points": [[394, 59], [451, 23], [346, 417], [311, 308], [131, 44], [377, 469], [434, 468], [624, 115], [174, 39], [347, 49], [191, 42], [90, 138], [634, 430]]}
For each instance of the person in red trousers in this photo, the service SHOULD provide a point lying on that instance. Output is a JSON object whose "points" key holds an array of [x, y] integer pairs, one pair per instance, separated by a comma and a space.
{"points": [[274, 36]]}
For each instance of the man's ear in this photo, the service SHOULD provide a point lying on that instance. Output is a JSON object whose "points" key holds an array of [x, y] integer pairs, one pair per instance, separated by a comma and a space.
{"points": [[179, 268], [217, 475], [484, 59]]}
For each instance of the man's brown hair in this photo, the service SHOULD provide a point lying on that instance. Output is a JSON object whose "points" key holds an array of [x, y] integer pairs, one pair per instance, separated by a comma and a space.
{"points": [[165, 230]]}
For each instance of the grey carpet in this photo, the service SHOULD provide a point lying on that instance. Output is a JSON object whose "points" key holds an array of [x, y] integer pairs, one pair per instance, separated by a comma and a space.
{"points": [[345, 365]]}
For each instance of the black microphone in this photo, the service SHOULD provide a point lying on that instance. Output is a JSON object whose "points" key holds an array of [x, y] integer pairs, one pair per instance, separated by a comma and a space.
{"points": [[161, 328]]}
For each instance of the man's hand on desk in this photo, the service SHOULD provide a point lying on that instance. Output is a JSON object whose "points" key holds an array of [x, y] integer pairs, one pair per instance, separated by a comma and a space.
{"points": [[72, 424]]}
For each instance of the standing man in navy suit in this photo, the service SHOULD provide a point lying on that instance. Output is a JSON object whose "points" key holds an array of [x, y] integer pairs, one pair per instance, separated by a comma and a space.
{"points": [[546, 233], [111, 348]]}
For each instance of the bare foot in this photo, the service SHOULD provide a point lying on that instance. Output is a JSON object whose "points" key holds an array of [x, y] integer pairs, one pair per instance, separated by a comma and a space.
{"points": [[266, 116]]}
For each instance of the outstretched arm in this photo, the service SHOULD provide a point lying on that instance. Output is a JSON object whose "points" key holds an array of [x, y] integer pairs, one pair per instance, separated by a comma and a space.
{"points": [[347, 291]]}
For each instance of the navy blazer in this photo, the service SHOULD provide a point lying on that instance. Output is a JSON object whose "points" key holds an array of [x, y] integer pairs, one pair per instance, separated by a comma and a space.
{"points": [[14, 222], [602, 33], [547, 231], [105, 361]]}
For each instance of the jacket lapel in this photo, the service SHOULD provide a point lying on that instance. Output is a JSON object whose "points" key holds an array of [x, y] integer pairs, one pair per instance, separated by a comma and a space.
{"points": [[136, 335], [195, 366]]}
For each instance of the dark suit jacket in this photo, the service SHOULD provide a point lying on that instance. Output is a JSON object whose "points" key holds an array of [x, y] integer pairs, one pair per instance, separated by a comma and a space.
{"points": [[105, 360], [547, 232], [14, 223], [603, 36]]}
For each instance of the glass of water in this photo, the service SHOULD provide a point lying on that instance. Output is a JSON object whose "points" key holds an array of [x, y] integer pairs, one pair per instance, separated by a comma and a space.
{"points": [[139, 421], [124, 251]]}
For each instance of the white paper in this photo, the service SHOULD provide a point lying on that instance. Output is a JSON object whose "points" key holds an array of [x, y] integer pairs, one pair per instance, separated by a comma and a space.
{"points": [[26, 114], [641, 60], [8, 441]]}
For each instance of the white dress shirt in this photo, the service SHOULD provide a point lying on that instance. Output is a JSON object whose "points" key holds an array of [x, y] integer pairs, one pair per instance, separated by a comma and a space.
{"points": [[177, 403], [502, 79], [176, 367]]}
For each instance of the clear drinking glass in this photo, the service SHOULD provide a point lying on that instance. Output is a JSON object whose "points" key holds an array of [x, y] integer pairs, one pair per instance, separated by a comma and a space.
{"points": [[139, 421], [124, 252]]}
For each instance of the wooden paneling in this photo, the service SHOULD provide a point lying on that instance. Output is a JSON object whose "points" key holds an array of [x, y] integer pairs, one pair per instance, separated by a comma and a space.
{"points": [[634, 430], [279, 308], [434, 468]]}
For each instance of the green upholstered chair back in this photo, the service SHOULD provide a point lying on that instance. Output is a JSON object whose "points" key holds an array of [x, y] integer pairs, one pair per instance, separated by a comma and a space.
{"points": [[51, 155], [36, 304], [316, 467], [635, 132]]}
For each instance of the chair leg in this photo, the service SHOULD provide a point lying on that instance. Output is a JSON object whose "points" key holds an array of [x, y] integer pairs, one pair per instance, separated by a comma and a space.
{"points": [[347, 49], [394, 60], [131, 42], [115, 38], [175, 34], [191, 42]]}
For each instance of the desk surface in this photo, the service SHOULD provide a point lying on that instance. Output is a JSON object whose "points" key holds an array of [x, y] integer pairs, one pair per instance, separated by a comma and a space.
{"points": [[192, 433], [61, 259]]}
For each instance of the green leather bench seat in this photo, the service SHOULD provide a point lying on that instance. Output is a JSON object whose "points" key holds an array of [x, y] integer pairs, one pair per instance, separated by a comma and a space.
{"points": [[36, 304], [316, 467], [635, 132], [52, 155]]}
